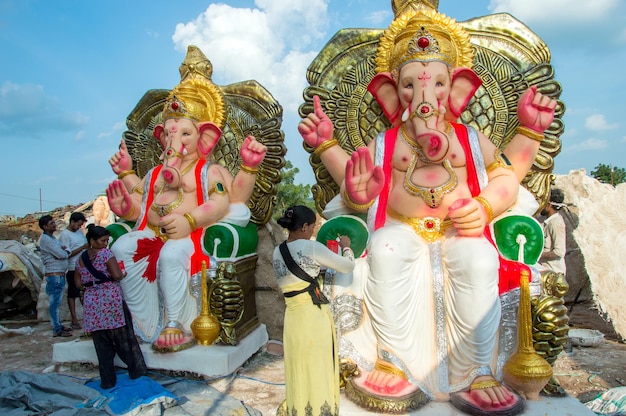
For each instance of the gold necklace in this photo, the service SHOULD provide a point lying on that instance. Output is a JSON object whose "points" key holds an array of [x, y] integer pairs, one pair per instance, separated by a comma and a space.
{"points": [[163, 210], [432, 196], [187, 168]]}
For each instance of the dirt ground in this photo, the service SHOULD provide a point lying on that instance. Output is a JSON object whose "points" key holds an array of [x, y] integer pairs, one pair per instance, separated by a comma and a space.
{"points": [[583, 373]]}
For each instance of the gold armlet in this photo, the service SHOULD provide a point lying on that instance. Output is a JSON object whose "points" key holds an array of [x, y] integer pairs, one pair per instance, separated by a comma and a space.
{"points": [[354, 205], [530, 133], [124, 174], [389, 369], [499, 161], [219, 188], [487, 206], [128, 216], [190, 220], [324, 146], [137, 189], [248, 169]]}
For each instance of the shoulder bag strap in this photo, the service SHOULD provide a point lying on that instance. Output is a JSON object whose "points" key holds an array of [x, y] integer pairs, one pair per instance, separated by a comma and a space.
{"points": [[95, 273], [316, 294]]}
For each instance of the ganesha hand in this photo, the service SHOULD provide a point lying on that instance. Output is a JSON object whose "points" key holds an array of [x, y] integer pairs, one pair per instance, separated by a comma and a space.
{"points": [[121, 160], [176, 226], [119, 200], [535, 110], [469, 216], [316, 128], [252, 152], [363, 181]]}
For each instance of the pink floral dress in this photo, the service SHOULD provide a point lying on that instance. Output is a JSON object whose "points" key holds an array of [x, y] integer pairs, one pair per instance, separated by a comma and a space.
{"points": [[102, 304]]}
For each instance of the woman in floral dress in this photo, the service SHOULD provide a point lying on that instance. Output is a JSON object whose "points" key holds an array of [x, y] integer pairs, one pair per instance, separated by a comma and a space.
{"points": [[105, 314]]}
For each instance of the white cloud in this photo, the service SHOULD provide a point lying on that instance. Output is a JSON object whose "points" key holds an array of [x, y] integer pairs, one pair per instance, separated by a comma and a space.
{"points": [[117, 127], [380, 18], [530, 11], [597, 122], [589, 144], [271, 44]]}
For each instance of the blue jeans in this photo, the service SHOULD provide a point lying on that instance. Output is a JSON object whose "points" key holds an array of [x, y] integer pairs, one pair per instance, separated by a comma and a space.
{"points": [[54, 290]]}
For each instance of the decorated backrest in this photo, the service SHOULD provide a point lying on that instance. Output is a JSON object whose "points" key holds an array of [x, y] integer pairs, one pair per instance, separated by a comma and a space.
{"points": [[250, 110], [508, 57]]}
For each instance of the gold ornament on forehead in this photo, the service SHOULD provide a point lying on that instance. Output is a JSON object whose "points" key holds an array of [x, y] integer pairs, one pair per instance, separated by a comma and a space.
{"points": [[423, 36], [197, 100]]}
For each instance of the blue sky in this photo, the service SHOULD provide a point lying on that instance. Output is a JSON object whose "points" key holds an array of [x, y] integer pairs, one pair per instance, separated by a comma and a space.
{"points": [[72, 70]]}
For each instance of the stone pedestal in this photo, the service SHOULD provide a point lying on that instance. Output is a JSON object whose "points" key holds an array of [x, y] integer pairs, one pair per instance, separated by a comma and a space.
{"points": [[210, 361]]}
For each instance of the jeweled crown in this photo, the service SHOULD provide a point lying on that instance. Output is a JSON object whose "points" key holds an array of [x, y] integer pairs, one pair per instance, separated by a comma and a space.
{"points": [[424, 36], [196, 97]]}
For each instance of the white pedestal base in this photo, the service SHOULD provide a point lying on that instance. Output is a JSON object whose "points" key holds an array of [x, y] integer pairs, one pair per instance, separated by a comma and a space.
{"points": [[211, 361]]}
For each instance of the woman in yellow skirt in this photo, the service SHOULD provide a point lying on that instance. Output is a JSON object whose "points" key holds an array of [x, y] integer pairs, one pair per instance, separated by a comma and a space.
{"points": [[309, 337]]}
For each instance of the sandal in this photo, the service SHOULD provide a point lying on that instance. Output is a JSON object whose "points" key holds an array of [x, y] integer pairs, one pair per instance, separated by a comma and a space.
{"points": [[62, 333], [76, 325]]}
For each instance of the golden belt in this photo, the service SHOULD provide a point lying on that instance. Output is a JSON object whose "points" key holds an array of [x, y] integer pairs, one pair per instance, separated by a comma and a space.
{"points": [[430, 229], [158, 232]]}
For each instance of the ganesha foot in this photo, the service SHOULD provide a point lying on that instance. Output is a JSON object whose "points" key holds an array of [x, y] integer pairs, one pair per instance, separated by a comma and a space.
{"points": [[384, 382], [173, 339], [405, 400], [487, 397]]}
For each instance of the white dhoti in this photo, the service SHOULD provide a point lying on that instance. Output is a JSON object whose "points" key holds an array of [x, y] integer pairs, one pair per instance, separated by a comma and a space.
{"points": [[153, 303], [434, 308]]}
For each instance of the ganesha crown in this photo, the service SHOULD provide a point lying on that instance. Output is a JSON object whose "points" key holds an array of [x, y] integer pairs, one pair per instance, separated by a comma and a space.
{"points": [[423, 36], [197, 100]]}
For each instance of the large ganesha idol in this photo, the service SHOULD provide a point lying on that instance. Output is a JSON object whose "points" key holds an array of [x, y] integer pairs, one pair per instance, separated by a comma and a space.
{"points": [[421, 316], [179, 207]]}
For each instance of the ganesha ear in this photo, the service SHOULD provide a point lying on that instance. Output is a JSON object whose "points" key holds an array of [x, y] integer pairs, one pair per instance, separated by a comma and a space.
{"points": [[465, 82], [209, 135], [384, 89], [159, 133]]}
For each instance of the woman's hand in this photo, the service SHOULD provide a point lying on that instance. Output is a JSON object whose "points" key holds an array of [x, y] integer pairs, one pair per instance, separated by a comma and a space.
{"points": [[344, 241]]}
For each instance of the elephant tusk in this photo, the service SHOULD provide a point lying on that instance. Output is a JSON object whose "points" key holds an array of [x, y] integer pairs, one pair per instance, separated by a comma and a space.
{"points": [[405, 115]]}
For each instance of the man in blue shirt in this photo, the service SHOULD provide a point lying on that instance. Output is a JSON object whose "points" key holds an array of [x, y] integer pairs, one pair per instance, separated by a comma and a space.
{"points": [[54, 257]]}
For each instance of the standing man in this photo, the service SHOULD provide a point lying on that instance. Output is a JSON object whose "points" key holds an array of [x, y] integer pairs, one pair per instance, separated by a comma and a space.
{"points": [[54, 257], [74, 239], [554, 247]]}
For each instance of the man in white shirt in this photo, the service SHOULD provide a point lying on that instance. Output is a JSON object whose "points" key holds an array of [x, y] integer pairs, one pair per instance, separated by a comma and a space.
{"points": [[554, 248], [74, 239]]}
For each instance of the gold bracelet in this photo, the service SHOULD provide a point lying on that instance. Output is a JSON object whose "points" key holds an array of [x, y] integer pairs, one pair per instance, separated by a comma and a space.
{"points": [[389, 369], [530, 133], [248, 169], [124, 174], [487, 206], [354, 205], [324, 146], [190, 220], [128, 216]]}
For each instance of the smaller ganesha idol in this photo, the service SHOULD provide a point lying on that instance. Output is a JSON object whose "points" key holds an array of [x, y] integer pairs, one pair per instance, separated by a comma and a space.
{"points": [[173, 204]]}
